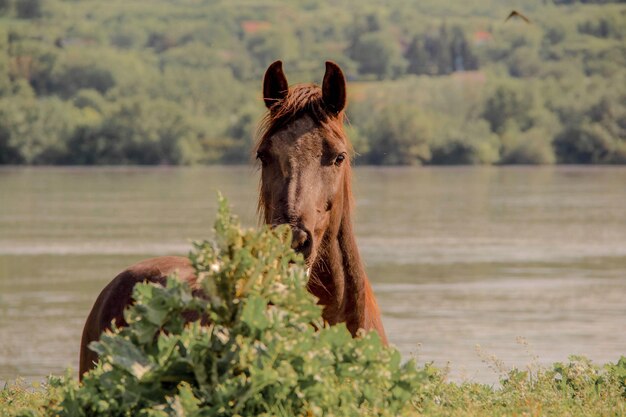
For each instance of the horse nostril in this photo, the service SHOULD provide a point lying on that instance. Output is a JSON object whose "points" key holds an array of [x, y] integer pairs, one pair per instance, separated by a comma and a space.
{"points": [[299, 237], [301, 241]]}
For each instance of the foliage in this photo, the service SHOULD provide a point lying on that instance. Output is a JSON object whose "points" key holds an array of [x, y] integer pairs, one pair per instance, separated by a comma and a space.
{"points": [[508, 105], [470, 144], [260, 354], [398, 136], [203, 61], [531, 147], [441, 53], [377, 54], [584, 144], [576, 387], [28, 9]]}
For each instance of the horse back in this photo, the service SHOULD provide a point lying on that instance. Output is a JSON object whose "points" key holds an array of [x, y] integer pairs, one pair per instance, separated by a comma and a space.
{"points": [[117, 295]]}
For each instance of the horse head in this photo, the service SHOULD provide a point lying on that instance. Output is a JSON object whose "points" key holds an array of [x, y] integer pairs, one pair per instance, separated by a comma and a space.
{"points": [[304, 155], [306, 183]]}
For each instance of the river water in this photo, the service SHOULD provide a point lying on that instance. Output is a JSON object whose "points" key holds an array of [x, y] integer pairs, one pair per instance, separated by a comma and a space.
{"points": [[475, 268]]}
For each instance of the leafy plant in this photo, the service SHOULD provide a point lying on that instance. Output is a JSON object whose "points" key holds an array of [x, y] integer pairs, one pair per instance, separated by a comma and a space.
{"points": [[251, 347]]}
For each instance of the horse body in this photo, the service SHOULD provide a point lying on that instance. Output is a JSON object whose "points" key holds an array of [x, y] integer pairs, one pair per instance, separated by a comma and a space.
{"points": [[305, 182], [117, 295]]}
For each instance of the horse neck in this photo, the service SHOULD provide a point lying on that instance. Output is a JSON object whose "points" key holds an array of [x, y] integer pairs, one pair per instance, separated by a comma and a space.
{"points": [[339, 278]]}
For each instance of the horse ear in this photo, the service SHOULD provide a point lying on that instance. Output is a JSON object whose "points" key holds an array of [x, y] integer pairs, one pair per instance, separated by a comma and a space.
{"points": [[275, 85], [334, 88]]}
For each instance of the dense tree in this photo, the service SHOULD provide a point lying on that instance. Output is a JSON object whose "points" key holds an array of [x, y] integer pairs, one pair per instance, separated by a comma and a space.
{"points": [[463, 57], [532, 147], [5, 82], [554, 34], [441, 54], [584, 144], [604, 27], [28, 9], [524, 62], [138, 133], [74, 77], [162, 82], [508, 104], [377, 53], [399, 135], [269, 45], [5, 6], [36, 130], [419, 61], [466, 145]]}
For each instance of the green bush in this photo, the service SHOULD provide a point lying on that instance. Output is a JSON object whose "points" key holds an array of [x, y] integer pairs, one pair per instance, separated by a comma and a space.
{"points": [[509, 103], [28, 9], [399, 135], [464, 145], [532, 147], [584, 144], [260, 354], [377, 54]]}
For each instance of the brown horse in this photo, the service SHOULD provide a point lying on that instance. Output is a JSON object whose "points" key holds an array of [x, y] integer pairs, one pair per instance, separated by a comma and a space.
{"points": [[305, 182]]}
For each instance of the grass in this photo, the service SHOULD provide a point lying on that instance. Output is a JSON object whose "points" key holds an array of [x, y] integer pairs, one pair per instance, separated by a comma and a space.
{"points": [[21, 399], [574, 388]]}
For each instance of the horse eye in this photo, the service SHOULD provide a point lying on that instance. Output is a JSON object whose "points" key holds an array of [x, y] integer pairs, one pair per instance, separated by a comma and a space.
{"points": [[262, 156], [340, 158]]}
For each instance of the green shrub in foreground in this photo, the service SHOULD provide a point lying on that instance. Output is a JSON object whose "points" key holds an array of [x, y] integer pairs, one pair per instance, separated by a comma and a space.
{"points": [[260, 355], [573, 388]]}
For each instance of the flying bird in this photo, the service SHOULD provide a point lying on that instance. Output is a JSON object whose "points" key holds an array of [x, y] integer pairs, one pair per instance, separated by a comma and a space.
{"points": [[515, 13]]}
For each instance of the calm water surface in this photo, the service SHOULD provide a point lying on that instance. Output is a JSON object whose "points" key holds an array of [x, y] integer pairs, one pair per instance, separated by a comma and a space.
{"points": [[464, 261]]}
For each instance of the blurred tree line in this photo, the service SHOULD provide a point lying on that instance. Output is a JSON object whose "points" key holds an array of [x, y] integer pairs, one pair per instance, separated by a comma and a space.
{"points": [[178, 81]]}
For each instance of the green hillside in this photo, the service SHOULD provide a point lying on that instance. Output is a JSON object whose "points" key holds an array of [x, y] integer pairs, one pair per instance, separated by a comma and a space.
{"points": [[178, 81]]}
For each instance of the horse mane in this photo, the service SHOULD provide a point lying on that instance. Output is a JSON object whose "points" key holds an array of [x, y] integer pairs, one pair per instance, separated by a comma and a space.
{"points": [[303, 100]]}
